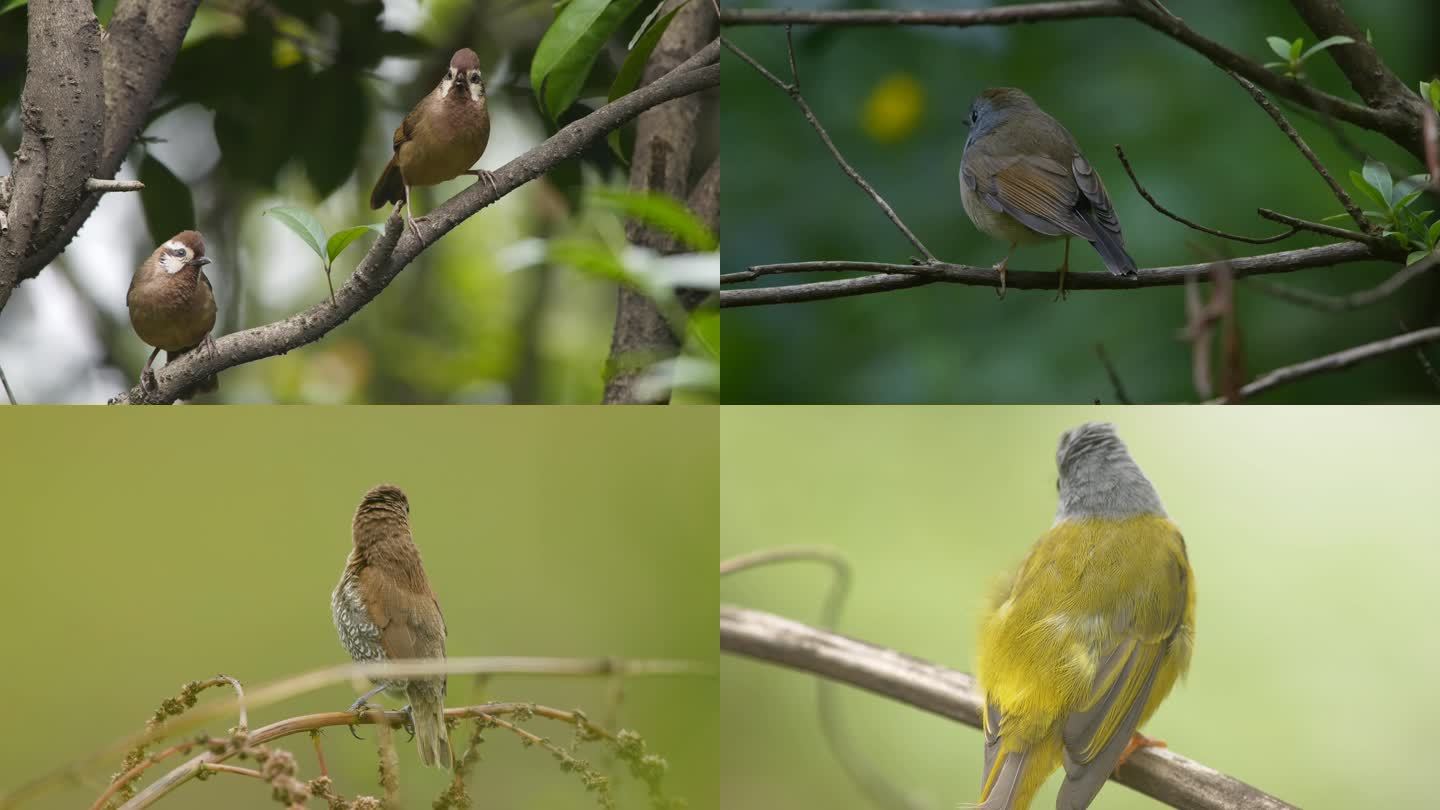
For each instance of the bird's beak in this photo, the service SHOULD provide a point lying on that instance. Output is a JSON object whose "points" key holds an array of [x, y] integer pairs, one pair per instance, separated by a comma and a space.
{"points": [[200, 261]]}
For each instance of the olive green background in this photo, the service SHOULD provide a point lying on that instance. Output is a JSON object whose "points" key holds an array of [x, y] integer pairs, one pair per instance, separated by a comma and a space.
{"points": [[1311, 530], [146, 549]]}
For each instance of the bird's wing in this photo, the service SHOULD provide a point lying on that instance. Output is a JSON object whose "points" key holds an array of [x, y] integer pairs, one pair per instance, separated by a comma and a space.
{"points": [[1103, 213], [1096, 734], [406, 130], [1033, 189], [410, 623]]}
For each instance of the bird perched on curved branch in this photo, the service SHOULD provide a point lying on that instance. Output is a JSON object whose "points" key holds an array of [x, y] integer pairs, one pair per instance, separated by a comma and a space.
{"points": [[172, 305], [440, 139], [384, 610], [1079, 647]]}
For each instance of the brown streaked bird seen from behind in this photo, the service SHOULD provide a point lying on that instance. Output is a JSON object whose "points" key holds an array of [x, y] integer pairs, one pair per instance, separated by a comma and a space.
{"points": [[384, 610], [172, 305], [440, 139]]}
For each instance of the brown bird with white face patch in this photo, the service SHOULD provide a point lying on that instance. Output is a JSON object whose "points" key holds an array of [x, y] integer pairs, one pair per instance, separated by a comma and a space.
{"points": [[172, 305], [441, 138], [384, 609]]}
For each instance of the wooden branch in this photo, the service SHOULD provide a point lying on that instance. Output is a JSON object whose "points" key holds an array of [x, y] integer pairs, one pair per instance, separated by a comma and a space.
{"points": [[1001, 15], [1337, 361], [899, 276], [398, 247], [1156, 772]]}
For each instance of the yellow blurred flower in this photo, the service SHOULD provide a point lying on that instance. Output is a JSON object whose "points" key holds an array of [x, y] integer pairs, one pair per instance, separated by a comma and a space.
{"points": [[894, 108]]}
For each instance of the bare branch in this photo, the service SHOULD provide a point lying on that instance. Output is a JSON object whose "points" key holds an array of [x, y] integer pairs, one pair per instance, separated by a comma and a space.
{"points": [[1113, 374], [900, 276], [1280, 121], [1339, 360], [1005, 15], [793, 91], [97, 185], [398, 247], [1380, 244], [1156, 772], [1254, 240], [1345, 303], [10, 395], [1368, 74]]}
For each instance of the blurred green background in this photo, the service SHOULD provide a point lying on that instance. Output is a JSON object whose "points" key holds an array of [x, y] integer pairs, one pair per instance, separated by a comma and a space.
{"points": [[145, 550], [894, 99], [293, 103], [1312, 534]]}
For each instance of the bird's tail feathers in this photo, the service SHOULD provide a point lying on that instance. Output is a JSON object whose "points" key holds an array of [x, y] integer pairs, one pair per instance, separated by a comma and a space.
{"points": [[1002, 785], [1111, 247], [389, 188], [427, 710]]}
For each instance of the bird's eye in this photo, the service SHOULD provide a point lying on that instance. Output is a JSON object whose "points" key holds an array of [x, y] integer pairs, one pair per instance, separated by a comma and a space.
{"points": [[474, 78], [177, 252], [974, 116], [1057, 484]]}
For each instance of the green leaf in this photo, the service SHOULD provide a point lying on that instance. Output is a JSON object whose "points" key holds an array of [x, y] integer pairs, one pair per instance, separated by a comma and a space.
{"points": [[169, 208], [341, 239], [1434, 235], [1281, 47], [1379, 178], [12, 5], [705, 330], [1273, 65], [1341, 215], [1416, 256], [1370, 191], [1295, 50], [305, 226], [1408, 198], [634, 66], [662, 211], [1329, 42], [568, 50], [1405, 185]]}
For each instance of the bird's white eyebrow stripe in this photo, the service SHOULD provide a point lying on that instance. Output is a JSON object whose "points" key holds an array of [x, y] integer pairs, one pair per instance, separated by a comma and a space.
{"points": [[173, 245]]}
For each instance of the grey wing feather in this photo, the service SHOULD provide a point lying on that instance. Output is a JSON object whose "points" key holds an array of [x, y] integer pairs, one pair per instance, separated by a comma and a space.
{"points": [[1084, 779]]}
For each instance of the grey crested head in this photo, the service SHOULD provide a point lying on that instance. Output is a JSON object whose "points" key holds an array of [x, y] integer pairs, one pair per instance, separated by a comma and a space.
{"points": [[989, 110], [1098, 478]]}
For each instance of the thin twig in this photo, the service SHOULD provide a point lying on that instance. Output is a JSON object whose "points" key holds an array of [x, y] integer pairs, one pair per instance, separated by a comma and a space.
{"points": [[872, 782], [235, 769], [890, 277], [1031, 12], [1156, 772], [319, 751], [1113, 374], [1339, 360], [10, 395], [793, 91], [97, 185], [1262, 240], [1284, 124], [1380, 244], [1345, 303]]}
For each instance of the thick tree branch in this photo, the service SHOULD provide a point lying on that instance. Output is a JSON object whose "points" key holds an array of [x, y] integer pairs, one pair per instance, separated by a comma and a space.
{"points": [[398, 247], [1398, 120], [61, 111], [1359, 61], [665, 142], [1156, 772], [900, 276], [135, 56]]}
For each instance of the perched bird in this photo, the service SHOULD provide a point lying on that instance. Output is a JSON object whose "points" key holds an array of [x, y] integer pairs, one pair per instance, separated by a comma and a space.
{"points": [[1079, 647], [1023, 180], [441, 138], [384, 609], [172, 305]]}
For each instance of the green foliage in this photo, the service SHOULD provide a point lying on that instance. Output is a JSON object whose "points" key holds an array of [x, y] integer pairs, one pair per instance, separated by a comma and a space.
{"points": [[12, 5], [169, 208], [312, 233], [1294, 58], [1411, 229], [661, 211], [567, 51], [1430, 91], [634, 67]]}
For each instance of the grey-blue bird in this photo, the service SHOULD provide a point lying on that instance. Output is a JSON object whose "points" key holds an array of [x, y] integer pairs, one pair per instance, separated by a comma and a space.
{"points": [[1023, 180]]}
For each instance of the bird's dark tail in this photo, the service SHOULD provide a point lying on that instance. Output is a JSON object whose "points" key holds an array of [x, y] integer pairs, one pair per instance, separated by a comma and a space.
{"points": [[1111, 247], [389, 188], [427, 709], [209, 385]]}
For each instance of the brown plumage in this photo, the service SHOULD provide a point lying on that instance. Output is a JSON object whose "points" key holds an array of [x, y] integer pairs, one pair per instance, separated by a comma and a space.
{"points": [[384, 610], [441, 138], [172, 305]]}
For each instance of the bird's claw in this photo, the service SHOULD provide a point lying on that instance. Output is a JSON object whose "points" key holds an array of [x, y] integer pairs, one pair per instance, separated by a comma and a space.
{"points": [[409, 721], [487, 176], [147, 380]]}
